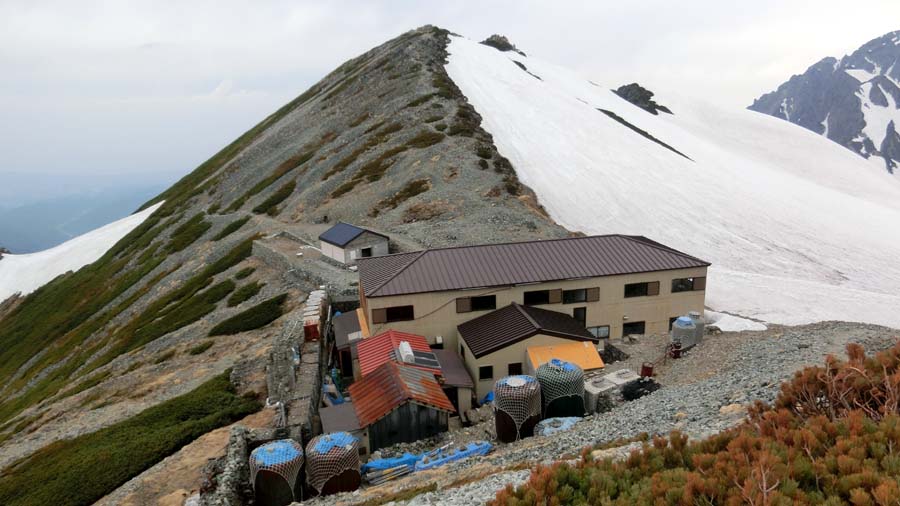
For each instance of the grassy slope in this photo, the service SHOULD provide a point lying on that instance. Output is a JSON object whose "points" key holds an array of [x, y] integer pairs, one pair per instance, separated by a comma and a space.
{"points": [[82, 470]]}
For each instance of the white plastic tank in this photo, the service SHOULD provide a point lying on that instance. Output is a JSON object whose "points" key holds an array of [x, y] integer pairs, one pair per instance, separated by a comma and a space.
{"points": [[700, 323], [684, 331]]}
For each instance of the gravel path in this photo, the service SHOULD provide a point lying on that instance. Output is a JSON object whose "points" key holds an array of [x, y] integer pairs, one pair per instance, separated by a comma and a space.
{"points": [[703, 393]]}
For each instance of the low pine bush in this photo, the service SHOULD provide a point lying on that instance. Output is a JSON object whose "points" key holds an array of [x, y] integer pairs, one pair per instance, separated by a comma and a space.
{"points": [[231, 228], [244, 293], [257, 316], [243, 273], [200, 348], [268, 205], [828, 439], [82, 470], [187, 233]]}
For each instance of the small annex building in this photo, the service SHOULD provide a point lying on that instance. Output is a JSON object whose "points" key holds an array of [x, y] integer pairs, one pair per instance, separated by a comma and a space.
{"points": [[347, 243], [349, 329], [398, 403], [495, 345]]}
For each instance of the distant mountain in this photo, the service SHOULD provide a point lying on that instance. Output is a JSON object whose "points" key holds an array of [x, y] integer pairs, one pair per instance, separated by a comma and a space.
{"points": [[854, 101], [47, 223]]}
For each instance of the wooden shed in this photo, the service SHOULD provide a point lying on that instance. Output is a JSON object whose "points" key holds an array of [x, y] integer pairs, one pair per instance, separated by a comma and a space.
{"points": [[398, 403]]}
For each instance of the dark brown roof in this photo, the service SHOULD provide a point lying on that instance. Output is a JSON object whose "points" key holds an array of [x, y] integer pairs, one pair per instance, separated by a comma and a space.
{"points": [[344, 325], [392, 385], [453, 370], [513, 323], [516, 263], [339, 418]]}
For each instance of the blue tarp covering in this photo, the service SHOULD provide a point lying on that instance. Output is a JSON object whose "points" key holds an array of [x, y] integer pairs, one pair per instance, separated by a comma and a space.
{"points": [[553, 425], [333, 440], [685, 321], [488, 398], [566, 366], [440, 457], [408, 459], [276, 452]]}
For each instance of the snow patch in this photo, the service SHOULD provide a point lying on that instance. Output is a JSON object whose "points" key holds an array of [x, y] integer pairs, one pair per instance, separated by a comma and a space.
{"points": [[797, 227], [861, 75], [27, 273], [731, 323], [877, 117]]}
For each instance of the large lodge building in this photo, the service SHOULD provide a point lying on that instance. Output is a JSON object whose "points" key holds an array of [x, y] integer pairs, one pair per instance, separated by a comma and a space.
{"points": [[614, 285]]}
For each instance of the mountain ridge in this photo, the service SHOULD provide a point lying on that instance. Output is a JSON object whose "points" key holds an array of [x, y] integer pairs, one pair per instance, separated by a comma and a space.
{"points": [[854, 101]]}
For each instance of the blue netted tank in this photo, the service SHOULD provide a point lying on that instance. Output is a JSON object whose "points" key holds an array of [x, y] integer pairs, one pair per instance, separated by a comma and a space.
{"points": [[274, 469]]}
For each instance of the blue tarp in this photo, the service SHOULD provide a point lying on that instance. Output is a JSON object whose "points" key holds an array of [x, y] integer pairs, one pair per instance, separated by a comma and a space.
{"points": [[408, 459], [566, 366], [276, 452], [523, 377], [440, 457], [333, 440], [488, 398], [551, 426]]}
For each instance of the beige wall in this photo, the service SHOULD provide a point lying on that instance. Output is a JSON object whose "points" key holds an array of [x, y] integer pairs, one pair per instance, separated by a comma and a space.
{"points": [[500, 360], [436, 312], [349, 253]]}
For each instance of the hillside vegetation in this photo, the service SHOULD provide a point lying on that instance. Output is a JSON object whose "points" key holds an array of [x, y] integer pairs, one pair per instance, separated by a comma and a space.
{"points": [[82, 470], [832, 437]]}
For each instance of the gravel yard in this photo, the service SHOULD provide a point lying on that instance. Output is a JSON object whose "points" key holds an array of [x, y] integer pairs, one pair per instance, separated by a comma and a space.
{"points": [[704, 392]]}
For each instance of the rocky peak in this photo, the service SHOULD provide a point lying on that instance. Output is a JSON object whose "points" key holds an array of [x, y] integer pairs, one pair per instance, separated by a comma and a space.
{"points": [[501, 43], [854, 101], [641, 97]]}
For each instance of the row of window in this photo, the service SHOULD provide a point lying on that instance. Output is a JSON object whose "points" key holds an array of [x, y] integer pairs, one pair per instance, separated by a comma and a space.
{"points": [[542, 297]]}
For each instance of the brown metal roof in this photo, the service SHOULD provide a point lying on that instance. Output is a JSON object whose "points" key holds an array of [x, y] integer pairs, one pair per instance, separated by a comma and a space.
{"points": [[517, 263], [339, 418], [514, 323], [453, 370], [392, 385]]}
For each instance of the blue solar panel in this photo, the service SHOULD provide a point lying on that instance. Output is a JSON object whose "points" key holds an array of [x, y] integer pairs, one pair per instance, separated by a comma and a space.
{"points": [[341, 234]]}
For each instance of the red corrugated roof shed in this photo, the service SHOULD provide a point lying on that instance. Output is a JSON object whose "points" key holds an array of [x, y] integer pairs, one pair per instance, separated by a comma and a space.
{"points": [[392, 385], [376, 350]]}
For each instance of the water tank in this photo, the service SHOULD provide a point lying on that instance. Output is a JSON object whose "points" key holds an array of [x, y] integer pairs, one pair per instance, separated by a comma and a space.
{"points": [[684, 332], [517, 407], [562, 388], [274, 469], [700, 322], [332, 463]]}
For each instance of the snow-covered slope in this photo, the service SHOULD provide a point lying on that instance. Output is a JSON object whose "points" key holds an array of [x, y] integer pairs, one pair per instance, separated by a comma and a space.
{"points": [[27, 273], [798, 228]]}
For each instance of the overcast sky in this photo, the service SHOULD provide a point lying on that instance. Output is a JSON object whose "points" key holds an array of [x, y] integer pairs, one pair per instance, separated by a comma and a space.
{"points": [[127, 88]]}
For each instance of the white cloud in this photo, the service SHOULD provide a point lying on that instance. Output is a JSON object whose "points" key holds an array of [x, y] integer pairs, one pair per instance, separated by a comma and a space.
{"points": [[128, 85]]}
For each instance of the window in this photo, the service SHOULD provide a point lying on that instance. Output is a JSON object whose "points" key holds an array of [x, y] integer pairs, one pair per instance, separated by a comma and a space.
{"points": [[480, 303], [365, 252], [462, 352], [641, 289], [580, 314], [486, 372], [484, 303], [573, 296], [514, 369], [688, 284], [672, 322], [600, 332], [536, 298], [393, 314], [633, 328]]}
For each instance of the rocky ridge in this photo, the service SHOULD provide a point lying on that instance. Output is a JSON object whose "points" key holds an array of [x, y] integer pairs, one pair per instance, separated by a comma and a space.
{"points": [[854, 101]]}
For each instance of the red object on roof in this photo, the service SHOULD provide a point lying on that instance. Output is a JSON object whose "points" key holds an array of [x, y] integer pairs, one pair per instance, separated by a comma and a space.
{"points": [[392, 385], [376, 350]]}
